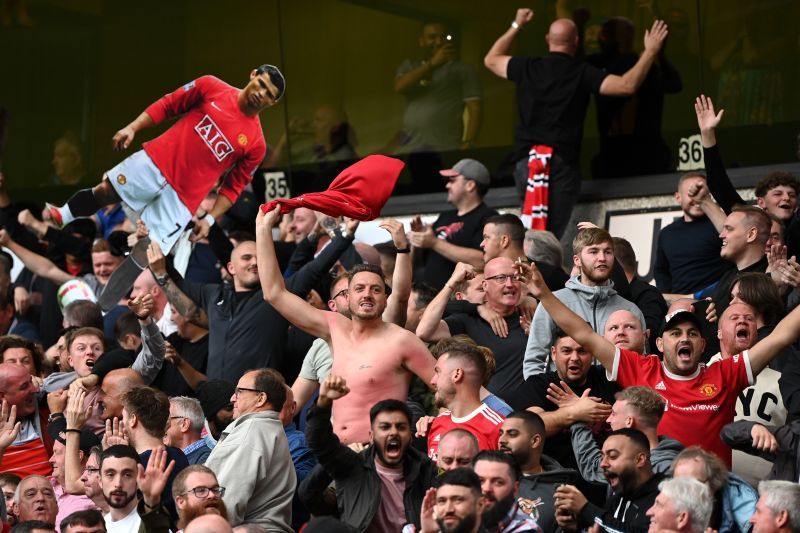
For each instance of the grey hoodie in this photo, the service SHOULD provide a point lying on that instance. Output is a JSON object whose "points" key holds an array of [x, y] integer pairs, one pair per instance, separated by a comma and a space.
{"points": [[536, 492], [587, 453], [594, 304]]}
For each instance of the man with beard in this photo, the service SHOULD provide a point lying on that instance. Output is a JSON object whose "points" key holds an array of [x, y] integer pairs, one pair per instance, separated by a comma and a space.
{"points": [[576, 370], [252, 457], [626, 465], [454, 504], [590, 294], [383, 485], [701, 398], [197, 492], [503, 292], [499, 474], [377, 358], [522, 436], [118, 469], [687, 253], [457, 379]]}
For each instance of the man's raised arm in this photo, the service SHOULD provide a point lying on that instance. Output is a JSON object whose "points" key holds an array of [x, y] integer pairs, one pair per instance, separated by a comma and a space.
{"points": [[295, 309], [38, 264], [573, 325], [497, 57], [629, 83]]}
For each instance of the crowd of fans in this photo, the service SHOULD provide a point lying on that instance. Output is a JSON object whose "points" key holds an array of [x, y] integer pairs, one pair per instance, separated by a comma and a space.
{"points": [[280, 375]]}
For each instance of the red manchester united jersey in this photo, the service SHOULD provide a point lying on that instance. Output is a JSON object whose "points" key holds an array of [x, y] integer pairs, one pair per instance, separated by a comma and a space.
{"points": [[212, 138], [697, 405], [483, 422]]}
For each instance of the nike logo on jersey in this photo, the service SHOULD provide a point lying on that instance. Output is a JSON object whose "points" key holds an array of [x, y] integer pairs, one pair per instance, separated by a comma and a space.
{"points": [[215, 106], [213, 137]]}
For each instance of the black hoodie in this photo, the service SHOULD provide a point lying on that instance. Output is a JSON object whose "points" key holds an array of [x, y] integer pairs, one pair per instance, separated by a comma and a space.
{"points": [[536, 492], [623, 512]]}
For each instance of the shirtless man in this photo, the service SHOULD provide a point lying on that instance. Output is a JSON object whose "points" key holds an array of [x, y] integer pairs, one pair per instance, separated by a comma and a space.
{"points": [[376, 358]]}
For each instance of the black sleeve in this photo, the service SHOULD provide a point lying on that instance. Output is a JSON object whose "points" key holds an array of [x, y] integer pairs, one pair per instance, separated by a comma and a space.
{"points": [[335, 457], [457, 324], [303, 253], [516, 68], [311, 273], [314, 493], [531, 393], [719, 184], [654, 308], [789, 385], [454, 307], [112, 360]]}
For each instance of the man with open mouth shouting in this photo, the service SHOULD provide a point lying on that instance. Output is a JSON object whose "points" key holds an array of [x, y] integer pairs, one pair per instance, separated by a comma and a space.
{"points": [[383, 485]]}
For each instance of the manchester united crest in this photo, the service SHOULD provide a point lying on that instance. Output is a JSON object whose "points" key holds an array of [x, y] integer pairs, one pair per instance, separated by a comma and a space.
{"points": [[242, 138], [121, 179], [708, 389]]}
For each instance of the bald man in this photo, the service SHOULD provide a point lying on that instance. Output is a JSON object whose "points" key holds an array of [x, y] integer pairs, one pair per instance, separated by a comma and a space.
{"points": [[503, 292], [31, 446], [552, 98], [115, 384], [209, 523]]}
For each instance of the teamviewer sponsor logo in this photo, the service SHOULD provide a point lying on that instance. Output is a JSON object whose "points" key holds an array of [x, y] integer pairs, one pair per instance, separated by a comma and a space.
{"points": [[214, 138]]}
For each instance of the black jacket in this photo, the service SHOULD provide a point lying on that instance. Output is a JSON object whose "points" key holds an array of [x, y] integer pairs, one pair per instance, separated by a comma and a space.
{"points": [[358, 486], [786, 460], [624, 513]]}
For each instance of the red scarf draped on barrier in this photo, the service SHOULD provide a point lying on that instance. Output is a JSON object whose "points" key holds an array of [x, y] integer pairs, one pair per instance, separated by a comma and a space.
{"points": [[359, 191]]}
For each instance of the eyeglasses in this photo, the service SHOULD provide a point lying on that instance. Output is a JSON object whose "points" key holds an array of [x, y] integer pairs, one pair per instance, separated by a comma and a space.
{"points": [[342, 292], [92, 470], [202, 492], [238, 390], [500, 279], [176, 417]]}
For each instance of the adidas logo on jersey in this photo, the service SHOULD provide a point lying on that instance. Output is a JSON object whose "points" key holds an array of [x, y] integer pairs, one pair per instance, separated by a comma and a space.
{"points": [[661, 386]]}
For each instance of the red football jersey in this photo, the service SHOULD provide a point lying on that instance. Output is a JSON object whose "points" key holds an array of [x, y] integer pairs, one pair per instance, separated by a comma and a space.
{"points": [[212, 138], [697, 405], [483, 422]]}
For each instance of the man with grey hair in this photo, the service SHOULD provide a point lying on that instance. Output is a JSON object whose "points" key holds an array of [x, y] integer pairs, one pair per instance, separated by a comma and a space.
{"points": [[778, 508], [184, 426], [544, 249], [683, 505]]}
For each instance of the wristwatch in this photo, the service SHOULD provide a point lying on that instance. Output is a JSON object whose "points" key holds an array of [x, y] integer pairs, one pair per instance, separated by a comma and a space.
{"points": [[162, 280], [54, 416]]}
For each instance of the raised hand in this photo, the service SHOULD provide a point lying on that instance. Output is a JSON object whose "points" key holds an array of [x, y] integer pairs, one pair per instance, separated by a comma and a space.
{"points": [[561, 395], [142, 306], [115, 433], [532, 278], [332, 388], [9, 427], [524, 16], [494, 319], [397, 231], [707, 120], [57, 401], [654, 37], [427, 516], [156, 259]]}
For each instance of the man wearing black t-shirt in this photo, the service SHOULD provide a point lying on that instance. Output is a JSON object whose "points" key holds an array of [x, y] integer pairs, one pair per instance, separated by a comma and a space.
{"points": [[456, 235], [552, 97]]}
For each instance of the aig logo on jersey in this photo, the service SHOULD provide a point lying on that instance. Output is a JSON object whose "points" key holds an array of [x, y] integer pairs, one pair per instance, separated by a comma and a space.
{"points": [[708, 389], [214, 138]]}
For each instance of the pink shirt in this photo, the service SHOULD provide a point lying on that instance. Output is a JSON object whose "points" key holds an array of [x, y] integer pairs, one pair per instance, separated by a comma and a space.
{"points": [[391, 513], [69, 503]]}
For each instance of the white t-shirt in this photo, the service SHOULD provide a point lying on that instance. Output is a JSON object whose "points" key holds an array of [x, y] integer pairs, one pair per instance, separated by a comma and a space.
{"points": [[129, 524]]}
